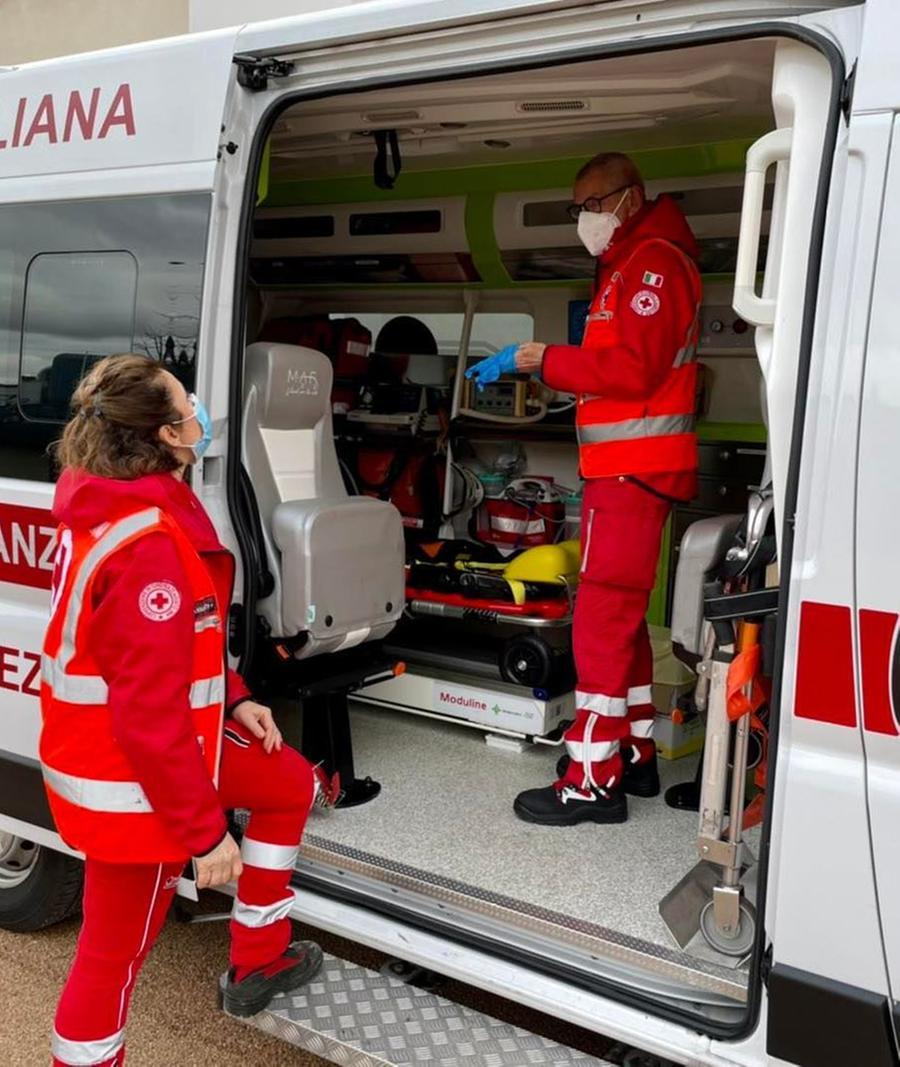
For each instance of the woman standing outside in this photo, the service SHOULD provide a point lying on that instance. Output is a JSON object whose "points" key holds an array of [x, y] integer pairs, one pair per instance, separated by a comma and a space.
{"points": [[147, 736]]}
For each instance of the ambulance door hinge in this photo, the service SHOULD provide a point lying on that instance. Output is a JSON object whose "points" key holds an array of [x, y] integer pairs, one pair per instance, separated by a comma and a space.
{"points": [[765, 966], [254, 72], [847, 93], [236, 630]]}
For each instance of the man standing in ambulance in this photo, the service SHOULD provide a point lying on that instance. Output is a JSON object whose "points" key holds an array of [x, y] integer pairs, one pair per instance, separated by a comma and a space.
{"points": [[635, 377]]}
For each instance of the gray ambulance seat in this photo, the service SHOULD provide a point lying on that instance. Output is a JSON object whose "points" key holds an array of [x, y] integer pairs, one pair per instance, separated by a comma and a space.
{"points": [[337, 560], [702, 551]]}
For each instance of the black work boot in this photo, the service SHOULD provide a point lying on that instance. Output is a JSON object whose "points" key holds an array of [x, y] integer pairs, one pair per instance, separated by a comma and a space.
{"points": [[300, 963], [638, 779], [563, 805]]}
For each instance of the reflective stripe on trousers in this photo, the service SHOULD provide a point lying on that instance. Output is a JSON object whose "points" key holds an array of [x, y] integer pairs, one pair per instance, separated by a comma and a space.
{"points": [[614, 707], [635, 429], [267, 856], [96, 795], [256, 915], [640, 694], [85, 1053], [591, 751]]}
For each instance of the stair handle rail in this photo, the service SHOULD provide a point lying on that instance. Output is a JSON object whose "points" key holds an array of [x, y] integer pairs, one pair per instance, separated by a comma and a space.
{"points": [[772, 148]]}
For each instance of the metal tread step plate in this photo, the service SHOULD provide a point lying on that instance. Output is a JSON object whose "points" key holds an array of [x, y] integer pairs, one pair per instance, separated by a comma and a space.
{"points": [[358, 1018]]}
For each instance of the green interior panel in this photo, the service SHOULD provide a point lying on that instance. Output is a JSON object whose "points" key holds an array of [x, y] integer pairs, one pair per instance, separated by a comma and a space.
{"points": [[732, 431], [265, 169], [481, 184], [719, 157], [480, 238], [656, 611]]}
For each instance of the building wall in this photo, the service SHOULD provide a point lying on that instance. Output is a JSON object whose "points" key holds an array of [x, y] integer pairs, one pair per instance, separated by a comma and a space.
{"points": [[41, 29], [216, 14]]}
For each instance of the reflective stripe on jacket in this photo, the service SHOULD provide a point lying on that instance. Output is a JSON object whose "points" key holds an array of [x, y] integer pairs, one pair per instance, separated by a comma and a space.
{"points": [[97, 802], [656, 433]]}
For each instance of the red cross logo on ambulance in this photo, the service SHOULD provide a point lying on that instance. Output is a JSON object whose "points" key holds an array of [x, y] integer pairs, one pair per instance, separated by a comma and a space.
{"points": [[645, 302], [159, 601]]}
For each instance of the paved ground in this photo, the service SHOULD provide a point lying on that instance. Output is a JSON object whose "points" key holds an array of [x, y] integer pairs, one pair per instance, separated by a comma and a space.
{"points": [[175, 1021]]}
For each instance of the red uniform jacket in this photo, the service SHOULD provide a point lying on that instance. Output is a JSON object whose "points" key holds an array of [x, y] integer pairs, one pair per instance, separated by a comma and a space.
{"points": [[636, 365], [145, 662]]}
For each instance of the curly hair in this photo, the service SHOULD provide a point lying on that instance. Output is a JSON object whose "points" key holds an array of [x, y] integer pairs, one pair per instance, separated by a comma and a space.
{"points": [[118, 409]]}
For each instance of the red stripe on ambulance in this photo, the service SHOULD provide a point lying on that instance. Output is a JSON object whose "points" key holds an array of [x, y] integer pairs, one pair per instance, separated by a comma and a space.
{"points": [[26, 546], [876, 643], [825, 685]]}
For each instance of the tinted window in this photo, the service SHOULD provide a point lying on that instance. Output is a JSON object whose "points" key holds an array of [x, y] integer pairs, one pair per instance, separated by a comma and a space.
{"points": [[547, 213], [82, 301], [293, 226], [82, 280], [384, 223]]}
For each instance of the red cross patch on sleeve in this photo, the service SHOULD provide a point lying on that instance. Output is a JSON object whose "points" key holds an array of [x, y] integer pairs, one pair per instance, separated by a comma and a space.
{"points": [[159, 601], [645, 302]]}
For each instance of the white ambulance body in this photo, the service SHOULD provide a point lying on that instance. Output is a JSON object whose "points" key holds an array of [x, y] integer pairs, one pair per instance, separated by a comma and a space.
{"points": [[129, 185]]}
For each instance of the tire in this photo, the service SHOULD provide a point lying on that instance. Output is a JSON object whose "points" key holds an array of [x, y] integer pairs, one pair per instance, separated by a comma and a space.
{"points": [[527, 660], [738, 946], [38, 886]]}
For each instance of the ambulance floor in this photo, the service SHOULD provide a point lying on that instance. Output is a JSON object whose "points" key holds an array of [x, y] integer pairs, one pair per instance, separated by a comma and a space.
{"points": [[446, 809]]}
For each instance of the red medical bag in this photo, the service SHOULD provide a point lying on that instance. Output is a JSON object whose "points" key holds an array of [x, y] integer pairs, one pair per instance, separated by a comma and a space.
{"points": [[529, 512]]}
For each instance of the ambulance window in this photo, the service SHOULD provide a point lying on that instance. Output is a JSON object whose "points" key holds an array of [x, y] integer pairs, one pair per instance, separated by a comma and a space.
{"points": [[80, 280], [491, 330], [79, 307]]}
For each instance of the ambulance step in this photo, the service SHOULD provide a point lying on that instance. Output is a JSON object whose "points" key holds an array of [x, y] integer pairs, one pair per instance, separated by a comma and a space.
{"points": [[359, 1018]]}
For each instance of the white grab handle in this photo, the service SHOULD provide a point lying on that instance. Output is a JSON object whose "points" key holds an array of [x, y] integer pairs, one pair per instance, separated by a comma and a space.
{"points": [[764, 153]]}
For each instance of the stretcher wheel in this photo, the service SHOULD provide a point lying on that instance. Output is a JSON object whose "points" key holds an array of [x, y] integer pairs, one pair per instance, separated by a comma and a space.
{"points": [[741, 944], [527, 660]]}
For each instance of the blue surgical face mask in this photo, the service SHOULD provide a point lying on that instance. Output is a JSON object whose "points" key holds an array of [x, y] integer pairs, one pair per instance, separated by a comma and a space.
{"points": [[203, 421]]}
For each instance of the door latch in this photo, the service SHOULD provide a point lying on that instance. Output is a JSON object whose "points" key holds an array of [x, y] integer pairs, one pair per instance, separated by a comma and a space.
{"points": [[254, 72]]}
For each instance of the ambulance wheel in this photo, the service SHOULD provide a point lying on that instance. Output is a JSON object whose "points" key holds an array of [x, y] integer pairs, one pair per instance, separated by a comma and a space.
{"points": [[38, 886], [729, 946], [527, 660]]}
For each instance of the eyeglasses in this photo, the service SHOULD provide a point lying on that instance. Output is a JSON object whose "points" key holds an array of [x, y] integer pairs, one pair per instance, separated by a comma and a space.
{"points": [[593, 203], [192, 400]]}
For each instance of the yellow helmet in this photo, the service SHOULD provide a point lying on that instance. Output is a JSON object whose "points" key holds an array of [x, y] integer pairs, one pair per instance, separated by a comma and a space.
{"points": [[550, 564]]}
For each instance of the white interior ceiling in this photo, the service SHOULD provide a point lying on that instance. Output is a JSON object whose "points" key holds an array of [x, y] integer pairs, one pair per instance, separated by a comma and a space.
{"points": [[683, 97]]}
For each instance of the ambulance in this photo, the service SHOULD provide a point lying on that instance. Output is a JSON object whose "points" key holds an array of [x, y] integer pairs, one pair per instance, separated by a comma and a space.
{"points": [[253, 207]]}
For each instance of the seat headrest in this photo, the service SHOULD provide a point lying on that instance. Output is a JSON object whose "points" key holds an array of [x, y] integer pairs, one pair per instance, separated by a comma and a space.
{"points": [[293, 385]]}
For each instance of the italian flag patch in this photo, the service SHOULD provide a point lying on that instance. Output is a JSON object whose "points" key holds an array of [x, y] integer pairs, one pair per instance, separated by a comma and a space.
{"points": [[655, 280]]}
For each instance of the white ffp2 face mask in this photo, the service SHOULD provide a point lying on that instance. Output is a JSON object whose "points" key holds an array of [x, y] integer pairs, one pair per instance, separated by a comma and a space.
{"points": [[596, 228]]}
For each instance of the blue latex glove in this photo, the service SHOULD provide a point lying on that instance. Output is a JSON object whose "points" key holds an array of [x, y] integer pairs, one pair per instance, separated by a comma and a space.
{"points": [[490, 369]]}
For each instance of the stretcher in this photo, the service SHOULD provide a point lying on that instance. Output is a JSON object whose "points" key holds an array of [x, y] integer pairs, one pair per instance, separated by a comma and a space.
{"points": [[487, 640], [535, 587]]}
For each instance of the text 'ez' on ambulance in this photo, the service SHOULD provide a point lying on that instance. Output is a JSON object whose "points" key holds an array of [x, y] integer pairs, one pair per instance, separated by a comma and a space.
{"points": [[253, 207]]}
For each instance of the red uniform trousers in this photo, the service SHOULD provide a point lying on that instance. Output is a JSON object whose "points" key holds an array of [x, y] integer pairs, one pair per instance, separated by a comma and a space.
{"points": [[621, 530], [125, 905]]}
